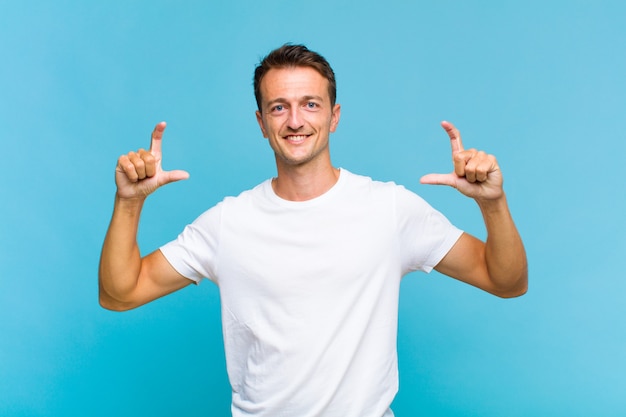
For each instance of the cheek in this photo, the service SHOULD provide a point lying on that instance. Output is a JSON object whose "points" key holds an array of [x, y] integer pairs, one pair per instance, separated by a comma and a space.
{"points": [[269, 127], [273, 125]]}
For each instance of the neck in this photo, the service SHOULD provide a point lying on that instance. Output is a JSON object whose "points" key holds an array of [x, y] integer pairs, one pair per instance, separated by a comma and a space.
{"points": [[303, 183]]}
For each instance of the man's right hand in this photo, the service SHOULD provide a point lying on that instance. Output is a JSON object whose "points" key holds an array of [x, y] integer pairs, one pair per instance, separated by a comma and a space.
{"points": [[138, 174]]}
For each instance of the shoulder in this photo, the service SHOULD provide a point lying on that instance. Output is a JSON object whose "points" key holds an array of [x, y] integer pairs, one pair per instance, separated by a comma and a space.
{"points": [[230, 203], [381, 188], [257, 192], [362, 181], [406, 203]]}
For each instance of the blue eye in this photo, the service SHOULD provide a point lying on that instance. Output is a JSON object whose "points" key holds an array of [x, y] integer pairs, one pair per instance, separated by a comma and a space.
{"points": [[311, 105], [280, 107]]}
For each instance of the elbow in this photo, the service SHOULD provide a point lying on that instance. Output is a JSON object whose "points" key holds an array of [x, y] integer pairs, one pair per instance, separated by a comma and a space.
{"points": [[517, 289], [109, 302], [513, 293], [111, 305]]}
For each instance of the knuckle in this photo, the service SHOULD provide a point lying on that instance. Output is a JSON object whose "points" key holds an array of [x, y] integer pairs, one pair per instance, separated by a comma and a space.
{"points": [[148, 158], [146, 155], [132, 156], [122, 160]]}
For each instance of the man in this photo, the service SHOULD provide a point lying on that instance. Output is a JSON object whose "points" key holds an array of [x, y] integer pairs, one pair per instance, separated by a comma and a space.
{"points": [[309, 263]]}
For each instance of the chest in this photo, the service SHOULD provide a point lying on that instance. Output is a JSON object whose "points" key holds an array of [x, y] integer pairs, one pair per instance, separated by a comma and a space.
{"points": [[317, 252]]}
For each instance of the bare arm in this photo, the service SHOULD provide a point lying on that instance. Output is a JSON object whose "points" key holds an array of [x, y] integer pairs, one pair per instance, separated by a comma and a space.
{"points": [[126, 280], [498, 265]]}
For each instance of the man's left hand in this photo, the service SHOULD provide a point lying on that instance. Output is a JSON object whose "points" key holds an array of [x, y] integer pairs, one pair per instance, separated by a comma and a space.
{"points": [[476, 174]]}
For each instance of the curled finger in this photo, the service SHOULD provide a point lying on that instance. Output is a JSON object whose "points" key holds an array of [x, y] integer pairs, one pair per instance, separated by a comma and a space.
{"points": [[149, 162], [125, 166], [482, 171], [481, 166], [461, 161], [475, 167], [139, 164]]}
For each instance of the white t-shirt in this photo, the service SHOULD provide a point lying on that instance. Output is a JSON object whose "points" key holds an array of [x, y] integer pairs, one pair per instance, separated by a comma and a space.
{"points": [[309, 292]]}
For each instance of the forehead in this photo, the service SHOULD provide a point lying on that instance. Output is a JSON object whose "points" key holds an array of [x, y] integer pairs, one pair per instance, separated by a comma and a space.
{"points": [[293, 82]]}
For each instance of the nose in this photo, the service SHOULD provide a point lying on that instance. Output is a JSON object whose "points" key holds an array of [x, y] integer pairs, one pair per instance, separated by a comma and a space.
{"points": [[295, 121]]}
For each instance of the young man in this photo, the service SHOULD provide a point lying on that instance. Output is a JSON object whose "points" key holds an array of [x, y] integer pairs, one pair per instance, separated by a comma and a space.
{"points": [[309, 263]]}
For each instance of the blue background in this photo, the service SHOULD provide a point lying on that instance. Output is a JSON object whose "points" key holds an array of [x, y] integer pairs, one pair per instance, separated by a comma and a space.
{"points": [[541, 84]]}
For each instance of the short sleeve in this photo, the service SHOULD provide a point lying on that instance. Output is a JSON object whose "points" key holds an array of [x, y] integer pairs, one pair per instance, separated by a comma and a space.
{"points": [[194, 252], [426, 235]]}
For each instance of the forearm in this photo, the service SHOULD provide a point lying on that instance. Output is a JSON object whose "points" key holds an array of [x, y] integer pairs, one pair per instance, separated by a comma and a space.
{"points": [[120, 261], [505, 255]]}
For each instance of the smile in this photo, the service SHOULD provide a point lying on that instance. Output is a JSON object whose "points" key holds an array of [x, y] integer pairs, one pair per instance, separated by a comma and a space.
{"points": [[296, 138]]}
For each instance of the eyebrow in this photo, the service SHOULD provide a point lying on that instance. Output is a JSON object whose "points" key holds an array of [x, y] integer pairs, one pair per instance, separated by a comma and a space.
{"points": [[284, 100]]}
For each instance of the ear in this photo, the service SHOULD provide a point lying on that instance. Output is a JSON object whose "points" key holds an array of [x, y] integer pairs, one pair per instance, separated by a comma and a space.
{"points": [[259, 120], [334, 118]]}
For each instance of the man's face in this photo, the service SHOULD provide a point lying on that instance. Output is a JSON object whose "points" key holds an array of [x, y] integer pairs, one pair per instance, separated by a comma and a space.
{"points": [[296, 115]]}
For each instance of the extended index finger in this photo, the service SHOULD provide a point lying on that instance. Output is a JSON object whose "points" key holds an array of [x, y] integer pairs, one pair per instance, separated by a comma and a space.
{"points": [[157, 135], [455, 137]]}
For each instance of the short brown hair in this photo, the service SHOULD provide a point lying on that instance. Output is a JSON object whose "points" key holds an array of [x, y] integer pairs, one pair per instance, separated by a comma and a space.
{"points": [[289, 56]]}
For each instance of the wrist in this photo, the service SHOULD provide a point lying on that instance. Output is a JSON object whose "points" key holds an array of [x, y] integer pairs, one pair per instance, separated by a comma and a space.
{"points": [[493, 205], [129, 204]]}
